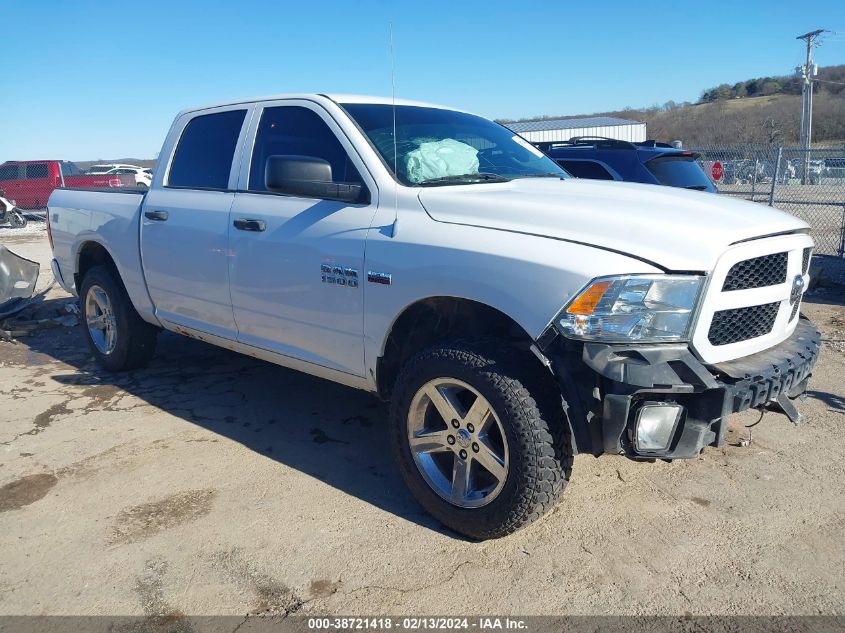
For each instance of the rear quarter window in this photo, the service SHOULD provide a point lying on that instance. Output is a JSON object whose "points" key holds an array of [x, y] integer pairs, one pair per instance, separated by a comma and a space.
{"points": [[586, 169], [680, 171], [203, 157]]}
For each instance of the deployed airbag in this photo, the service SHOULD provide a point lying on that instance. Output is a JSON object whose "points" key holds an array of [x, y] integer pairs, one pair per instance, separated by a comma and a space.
{"points": [[436, 159]]}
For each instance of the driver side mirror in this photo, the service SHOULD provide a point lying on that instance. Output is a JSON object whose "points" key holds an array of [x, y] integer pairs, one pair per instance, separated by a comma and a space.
{"points": [[309, 177]]}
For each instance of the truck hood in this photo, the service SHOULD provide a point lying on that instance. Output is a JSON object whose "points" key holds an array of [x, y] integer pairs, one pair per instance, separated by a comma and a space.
{"points": [[677, 229]]}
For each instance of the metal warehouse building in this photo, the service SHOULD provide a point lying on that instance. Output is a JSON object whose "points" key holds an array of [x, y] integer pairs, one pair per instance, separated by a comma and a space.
{"points": [[556, 130]]}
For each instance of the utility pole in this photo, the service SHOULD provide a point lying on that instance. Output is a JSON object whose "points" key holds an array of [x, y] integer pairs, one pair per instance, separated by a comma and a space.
{"points": [[807, 72]]}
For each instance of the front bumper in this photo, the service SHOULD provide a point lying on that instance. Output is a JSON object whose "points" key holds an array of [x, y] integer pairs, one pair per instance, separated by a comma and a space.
{"points": [[604, 385]]}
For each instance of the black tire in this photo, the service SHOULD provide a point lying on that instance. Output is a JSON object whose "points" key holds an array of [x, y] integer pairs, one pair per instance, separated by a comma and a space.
{"points": [[135, 339], [528, 406]]}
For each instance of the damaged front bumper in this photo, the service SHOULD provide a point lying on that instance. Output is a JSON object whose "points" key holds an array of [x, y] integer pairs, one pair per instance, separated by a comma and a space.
{"points": [[660, 401]]}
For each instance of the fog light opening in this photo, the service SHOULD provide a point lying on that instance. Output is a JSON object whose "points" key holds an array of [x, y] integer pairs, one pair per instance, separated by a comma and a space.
{"points": [[655, 427]]}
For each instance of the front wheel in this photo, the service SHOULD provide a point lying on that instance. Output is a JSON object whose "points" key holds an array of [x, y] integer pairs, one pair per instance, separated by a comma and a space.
{"points": [[118, 336], [480, 439]]}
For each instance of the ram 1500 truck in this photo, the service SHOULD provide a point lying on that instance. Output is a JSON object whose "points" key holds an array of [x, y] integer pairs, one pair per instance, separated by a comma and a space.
{"points": [[512, 315]]}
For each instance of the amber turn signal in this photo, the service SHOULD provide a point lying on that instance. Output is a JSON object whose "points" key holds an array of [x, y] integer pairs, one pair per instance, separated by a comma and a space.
{"points": [[587, 301]]}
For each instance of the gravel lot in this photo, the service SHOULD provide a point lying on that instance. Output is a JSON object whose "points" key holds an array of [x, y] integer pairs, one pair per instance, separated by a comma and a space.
{"points": [[212, 483]]}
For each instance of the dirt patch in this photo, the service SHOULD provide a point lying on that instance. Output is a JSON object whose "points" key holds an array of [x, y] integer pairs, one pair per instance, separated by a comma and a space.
{"points": [[44, 419], [161, 616], [322, 588], [101, 394], [321, 437], [272, 596], [25, 490], [142, 521]]}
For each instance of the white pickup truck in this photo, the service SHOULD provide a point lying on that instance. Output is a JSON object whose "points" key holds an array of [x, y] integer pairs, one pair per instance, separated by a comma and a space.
{"points": [[513, 316]]}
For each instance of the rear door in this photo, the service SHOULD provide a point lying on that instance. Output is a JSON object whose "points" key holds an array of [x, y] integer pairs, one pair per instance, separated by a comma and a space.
{"points": [[296, 282], [185, 223]]}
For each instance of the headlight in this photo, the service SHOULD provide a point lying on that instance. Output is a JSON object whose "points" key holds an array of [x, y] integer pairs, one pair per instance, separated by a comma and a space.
{"points": [[643, 308]]}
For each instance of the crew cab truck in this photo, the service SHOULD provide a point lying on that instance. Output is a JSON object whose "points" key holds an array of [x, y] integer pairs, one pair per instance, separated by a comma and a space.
{"points": [[512, 315]]}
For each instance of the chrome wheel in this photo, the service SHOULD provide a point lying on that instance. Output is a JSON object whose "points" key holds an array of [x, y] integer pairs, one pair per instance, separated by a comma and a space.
{"points": [[458, 443], [99, 316]]}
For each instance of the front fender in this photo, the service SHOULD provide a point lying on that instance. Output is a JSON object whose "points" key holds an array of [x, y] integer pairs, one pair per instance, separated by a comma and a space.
{"points": [[527, 278]]}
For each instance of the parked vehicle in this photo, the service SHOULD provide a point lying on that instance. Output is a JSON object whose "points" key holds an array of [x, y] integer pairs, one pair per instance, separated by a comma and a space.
{"points": [[512, 315], [142, 176], [29, 183], [648, 162], [107, 167], [10, 214]]}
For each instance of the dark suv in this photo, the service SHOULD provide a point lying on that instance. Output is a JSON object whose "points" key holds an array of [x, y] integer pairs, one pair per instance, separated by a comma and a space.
{"points": [[649, 162]]}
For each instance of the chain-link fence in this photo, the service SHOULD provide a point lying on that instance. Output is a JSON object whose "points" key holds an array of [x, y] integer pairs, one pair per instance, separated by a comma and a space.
{"points": [[27, 185], [808, 184]]}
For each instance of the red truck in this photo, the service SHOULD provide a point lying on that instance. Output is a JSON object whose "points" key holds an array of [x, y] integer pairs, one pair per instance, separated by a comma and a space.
{"points": [[28, 183]]}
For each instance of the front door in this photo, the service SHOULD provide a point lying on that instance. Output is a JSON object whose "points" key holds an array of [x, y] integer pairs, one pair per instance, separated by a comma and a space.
{"points": [[297, 264]]}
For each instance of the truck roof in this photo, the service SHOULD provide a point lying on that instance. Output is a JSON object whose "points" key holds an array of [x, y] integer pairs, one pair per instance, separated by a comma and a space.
{"points": [[337, 98]]}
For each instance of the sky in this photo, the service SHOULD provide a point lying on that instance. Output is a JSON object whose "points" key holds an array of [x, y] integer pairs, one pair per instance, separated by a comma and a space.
{"points": [[85, 80]]}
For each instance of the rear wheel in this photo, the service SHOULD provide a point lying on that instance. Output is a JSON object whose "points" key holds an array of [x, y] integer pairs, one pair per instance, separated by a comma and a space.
{"points": [[480, 438], [118, 336]]}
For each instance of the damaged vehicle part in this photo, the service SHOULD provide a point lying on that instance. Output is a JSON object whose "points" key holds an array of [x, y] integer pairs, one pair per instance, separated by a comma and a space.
{"points": [[17, 281]]}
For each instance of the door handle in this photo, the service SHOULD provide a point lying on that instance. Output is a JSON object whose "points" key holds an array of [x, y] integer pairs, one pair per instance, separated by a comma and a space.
{"points": [[159, 216], [245, 224]]}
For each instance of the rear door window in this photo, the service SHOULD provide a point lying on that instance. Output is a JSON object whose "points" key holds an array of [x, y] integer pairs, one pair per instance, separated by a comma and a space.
{"points": [[203, 157], [586, 169], [37, 170], [680, 171], [9, 172], [298, 131]]}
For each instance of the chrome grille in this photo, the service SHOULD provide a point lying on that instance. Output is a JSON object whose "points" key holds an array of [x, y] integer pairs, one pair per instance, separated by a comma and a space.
{"points": [[805, 264], [741, 324], [794, 310], [768, 270]]}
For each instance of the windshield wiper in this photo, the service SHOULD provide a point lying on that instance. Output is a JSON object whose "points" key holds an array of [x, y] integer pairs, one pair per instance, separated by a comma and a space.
{"points": [[478, 177], [697, 187]]}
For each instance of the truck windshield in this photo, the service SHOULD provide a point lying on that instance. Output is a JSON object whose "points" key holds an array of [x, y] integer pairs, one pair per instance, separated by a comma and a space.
{"points": [[443, 147], [680, 171]]}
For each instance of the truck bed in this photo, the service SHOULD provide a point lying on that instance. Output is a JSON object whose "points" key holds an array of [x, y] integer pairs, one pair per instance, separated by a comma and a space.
{"points": [[110, 218]]}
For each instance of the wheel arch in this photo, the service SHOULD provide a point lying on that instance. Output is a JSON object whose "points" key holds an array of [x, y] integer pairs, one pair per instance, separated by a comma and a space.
{"points": [[426, 321], [92, 253], [89, 254]]}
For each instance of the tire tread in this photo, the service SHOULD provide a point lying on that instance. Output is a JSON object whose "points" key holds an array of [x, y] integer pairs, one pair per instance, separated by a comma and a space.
{"points": [[545, 468]]}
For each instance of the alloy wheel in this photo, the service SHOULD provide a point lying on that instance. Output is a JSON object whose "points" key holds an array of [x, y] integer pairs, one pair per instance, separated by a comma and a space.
{"points": [[458, 442]]}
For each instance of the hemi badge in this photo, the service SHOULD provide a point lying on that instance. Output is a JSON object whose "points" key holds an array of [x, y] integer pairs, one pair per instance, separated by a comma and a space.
{"points": [[379, 278]]}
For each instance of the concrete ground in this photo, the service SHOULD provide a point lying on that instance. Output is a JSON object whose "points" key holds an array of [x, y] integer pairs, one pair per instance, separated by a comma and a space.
{"points": [[213, 483]]}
